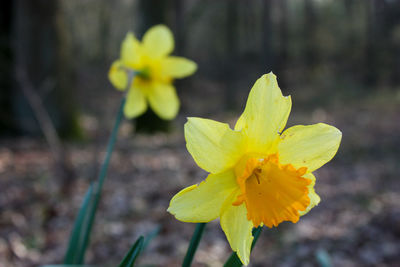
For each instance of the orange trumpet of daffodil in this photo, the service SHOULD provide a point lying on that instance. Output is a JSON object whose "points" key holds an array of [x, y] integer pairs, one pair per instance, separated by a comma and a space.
{"points": [[155, 72], [258, 175]]}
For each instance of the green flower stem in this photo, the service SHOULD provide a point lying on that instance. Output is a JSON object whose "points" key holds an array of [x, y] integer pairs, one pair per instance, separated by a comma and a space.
{"points": [[194, 243], [80, 234], [110, 147], [113, 138], [234, 260]]}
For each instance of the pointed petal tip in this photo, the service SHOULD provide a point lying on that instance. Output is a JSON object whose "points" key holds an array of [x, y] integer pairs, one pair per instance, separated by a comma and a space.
{"points": [[188, 120], [163, 26], [269, 79], [244, 260], [129, 37], [269, 75]]}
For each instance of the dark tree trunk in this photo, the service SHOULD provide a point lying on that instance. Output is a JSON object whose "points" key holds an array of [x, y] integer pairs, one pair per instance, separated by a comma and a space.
{"points": [[374, 46], [105, 20], [41, 51], [282, 58], [349, 6], [309, 33], [231, 57], [7, 123], [43, 102], [267, 58], [152, 12], [179, 27]]}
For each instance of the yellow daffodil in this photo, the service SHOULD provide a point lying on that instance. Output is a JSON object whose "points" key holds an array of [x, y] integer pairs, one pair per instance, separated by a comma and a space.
{"points": [[258, 175], [155, 70]]}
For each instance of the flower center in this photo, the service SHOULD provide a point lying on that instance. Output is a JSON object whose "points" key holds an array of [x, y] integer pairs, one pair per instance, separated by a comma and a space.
{"points": [[144, 74], [272, 192]]}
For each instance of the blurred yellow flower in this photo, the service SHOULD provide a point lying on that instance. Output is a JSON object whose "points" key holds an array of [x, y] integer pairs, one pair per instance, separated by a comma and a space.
{"points": [[155, 70], [258, 176]]}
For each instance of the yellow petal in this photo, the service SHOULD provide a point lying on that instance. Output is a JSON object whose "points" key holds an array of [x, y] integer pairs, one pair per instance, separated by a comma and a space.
{"points": [[158, 41], [135, 103], [265, 115], [130, 50], [177, 67], [213, 145], [117, 75], [309, 146], [202, 203], [237, 228], [314, 198], [163, 100]]}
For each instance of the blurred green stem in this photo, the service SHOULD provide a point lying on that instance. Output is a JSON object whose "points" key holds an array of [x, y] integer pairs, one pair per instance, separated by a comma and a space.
{"points": [[110, 147], [113, 138], [80, 235], [194, 243], [234, 260]]}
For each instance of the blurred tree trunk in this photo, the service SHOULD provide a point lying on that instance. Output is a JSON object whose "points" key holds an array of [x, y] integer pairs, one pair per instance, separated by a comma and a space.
{"points": [[267, 59], [350, 60], [231, 59], [7, 124], [41, 50], [374, 39], [282, 58], [349, 7], [44, 88], [152, 12], [310, 24], [179, 27], [105, 21], [369, 77], [394, 30]]}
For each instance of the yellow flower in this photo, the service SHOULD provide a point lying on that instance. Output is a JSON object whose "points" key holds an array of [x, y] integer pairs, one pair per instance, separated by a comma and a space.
{"points": [[156, 72], [258, 176]]}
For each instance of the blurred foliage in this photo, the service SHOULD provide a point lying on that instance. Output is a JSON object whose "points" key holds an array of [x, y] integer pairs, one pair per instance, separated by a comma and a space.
{"points": [[133, 253]]}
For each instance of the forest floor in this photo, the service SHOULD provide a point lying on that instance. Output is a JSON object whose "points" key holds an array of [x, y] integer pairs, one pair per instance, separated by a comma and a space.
{"points": [[356, 224]]}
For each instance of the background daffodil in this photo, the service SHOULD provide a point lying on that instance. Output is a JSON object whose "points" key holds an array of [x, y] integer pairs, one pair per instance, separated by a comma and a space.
{"points": [[258, 176], [155, 70]]}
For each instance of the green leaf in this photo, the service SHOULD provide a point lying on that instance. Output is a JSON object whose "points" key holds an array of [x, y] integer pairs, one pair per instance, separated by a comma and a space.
{"points": [[133, 253], [80, 234], [234, 260], [194, 243], [323, 258], [78, 239], [150, 236]]}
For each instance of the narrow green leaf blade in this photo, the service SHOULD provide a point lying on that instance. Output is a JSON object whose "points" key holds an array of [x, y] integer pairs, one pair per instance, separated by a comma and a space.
{"points": [[130, 258], [80, 235], [323, 258], [151, 235], [194, 243], [233, 261], [76, 242]]}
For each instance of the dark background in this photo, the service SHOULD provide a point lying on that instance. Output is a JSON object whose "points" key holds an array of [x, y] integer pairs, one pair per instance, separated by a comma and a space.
{"points": [[339, 59]]}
